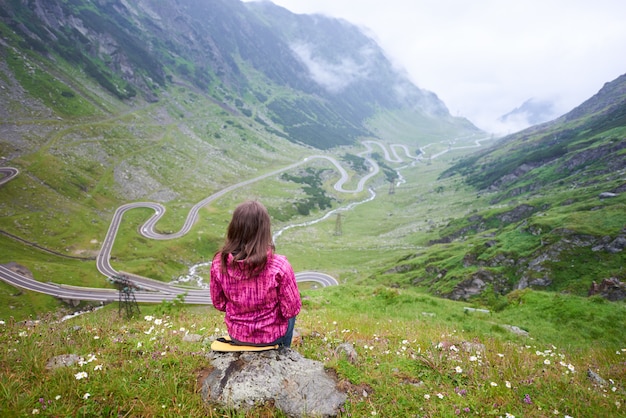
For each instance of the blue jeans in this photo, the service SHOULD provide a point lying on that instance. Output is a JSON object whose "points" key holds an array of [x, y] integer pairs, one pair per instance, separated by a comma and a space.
{"points": [[285, 340]]}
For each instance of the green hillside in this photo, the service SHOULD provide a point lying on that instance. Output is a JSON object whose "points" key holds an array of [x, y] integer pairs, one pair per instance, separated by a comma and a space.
{"points": [[416, 355]]}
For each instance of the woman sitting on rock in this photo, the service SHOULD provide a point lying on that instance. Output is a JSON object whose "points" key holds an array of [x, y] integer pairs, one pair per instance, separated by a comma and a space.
{"points": [[253, 285]]}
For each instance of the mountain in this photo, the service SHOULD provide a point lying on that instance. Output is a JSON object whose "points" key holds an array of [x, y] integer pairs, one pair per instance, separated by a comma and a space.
{"points": [[256, 57], [110, 102], [531, 112], [555, 212]]}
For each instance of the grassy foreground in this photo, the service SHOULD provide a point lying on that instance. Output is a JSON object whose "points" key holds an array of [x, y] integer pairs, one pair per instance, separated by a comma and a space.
{"points": [[417, 356]]}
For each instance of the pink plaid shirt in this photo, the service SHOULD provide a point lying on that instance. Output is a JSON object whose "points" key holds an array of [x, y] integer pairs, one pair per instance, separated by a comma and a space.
{"points": [[257, 310]]}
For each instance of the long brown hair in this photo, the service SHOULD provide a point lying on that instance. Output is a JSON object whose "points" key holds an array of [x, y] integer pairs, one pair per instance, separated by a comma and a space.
{"points": [[248, 237]]}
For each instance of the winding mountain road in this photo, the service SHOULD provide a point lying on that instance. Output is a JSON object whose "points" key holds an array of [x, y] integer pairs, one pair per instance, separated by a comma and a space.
{"points": [[155, 291]]}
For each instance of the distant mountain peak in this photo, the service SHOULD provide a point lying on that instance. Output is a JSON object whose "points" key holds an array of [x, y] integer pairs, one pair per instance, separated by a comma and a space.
{"points": [[532, 112]]}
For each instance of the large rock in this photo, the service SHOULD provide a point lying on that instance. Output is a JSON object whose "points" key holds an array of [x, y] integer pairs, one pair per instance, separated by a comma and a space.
{"points": [[296, 385]]}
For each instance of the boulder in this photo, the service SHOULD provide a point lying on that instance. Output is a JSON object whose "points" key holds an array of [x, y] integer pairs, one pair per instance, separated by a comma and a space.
{"points": [[64, 360], [295, 385], [611, 289]]}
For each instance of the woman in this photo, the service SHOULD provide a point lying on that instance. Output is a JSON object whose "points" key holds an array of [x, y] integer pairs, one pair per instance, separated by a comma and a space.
{"points": [[253, 285]]}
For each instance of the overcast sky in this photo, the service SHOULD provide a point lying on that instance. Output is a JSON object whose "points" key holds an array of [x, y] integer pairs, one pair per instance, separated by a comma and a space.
{"points": [[484, 58]]}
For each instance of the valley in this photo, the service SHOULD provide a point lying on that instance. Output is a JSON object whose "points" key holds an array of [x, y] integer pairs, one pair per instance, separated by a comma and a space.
{"points": [[154, 291]]}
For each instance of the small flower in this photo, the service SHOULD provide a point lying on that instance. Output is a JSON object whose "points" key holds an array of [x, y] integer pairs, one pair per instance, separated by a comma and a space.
{"points": [[458, 369], [98, 367], [494, 384], [81, 375], [546, 362], [139, 344], [507, 384], [57, 397], [473, 358], [2, 322], [507, 415], [86, 395], [571, 368], [35, 411], [500, 355], [95, 337], [427, 396], [91, 358], [527, 399], [148, 318], [158, 321], [23, 334], [440, 395]]}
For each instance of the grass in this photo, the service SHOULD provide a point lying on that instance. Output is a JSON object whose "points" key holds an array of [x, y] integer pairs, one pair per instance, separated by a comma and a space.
{"points": [[417, 356]]}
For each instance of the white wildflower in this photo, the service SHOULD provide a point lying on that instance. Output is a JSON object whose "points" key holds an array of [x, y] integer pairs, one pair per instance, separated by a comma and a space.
{"points": [[86, 395], [81, 375]]}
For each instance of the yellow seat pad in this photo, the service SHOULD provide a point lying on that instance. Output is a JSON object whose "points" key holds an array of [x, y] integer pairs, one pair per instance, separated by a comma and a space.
{"points": [[225, 346]]}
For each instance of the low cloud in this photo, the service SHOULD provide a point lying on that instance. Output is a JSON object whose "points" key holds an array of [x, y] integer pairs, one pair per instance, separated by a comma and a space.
{"points": [[333, 76]]}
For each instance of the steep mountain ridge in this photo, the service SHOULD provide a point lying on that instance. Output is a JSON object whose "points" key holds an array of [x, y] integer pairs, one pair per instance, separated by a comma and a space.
{"points": [[234, 52]]}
